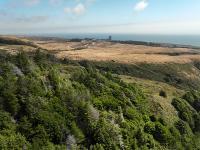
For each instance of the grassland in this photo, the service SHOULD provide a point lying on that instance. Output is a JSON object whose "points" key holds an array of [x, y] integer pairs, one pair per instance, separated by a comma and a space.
{"points": [[97, 50]]}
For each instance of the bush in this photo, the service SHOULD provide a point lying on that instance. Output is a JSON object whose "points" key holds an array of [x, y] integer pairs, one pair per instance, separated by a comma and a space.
{"points": [[13, 141], [163, 94], [145, 141], [132, 114], [161, 133], [193, 98], [149, 128], [186, 112], [107, 134], [23, 62], [183, 127]]}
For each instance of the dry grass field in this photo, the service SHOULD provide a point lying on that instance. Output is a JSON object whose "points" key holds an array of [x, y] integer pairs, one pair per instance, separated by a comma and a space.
{"points": [[121, 53], [124, 53], [109, 51]]}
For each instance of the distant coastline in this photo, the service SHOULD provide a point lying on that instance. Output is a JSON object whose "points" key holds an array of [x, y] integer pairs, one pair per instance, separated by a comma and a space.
{"points": [[77, 38], [193, 40], [114, 39]]}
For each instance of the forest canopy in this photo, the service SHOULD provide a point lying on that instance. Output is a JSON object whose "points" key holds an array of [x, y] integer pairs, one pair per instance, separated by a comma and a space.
{"points": [[46, 103]]}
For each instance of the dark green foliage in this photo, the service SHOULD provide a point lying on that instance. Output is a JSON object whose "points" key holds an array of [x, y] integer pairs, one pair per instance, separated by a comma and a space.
{"points": [[47, 104], [13, 141], [149, 127], [161, 133], [9, 138], [186, 112], [8, 89], [189, 124], [23, 62], [193, 98], [107, 134], [163, 94], [183, 127]]}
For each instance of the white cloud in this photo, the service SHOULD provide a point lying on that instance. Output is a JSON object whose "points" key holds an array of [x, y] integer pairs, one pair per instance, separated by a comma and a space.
{"points": [[79, 9], [140, 6]]}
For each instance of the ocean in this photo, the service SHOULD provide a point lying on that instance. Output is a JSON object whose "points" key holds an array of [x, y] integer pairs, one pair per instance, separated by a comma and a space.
{"points": [[193, 40]]}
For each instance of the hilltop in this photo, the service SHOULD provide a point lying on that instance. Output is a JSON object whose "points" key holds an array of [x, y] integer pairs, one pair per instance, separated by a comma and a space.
{"points": [[58, 94]]}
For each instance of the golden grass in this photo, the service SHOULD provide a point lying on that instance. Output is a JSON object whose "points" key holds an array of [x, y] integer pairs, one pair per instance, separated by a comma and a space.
{"points": [[115, 52], [125, 53]]}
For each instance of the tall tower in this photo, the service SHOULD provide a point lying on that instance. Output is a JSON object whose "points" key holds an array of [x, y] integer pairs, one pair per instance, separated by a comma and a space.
{"points": [[110, 38]]}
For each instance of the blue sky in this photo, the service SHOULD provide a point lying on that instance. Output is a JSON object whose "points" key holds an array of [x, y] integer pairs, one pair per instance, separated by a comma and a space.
{"points": [[100, 16]]}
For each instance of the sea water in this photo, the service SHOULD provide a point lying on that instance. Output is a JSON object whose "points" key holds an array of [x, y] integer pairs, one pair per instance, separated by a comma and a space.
{"points": [[193, 40]]}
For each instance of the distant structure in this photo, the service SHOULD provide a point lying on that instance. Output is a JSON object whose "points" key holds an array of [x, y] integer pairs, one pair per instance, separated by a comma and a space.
{"points": [[110, 38]]}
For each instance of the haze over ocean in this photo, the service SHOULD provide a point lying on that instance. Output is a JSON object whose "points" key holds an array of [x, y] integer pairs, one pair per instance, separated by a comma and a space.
{"points": [[193, 40]]}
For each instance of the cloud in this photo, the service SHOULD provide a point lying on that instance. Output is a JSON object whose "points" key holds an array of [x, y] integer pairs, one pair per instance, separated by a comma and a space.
{"points": [[140, 6], [79, 9]]}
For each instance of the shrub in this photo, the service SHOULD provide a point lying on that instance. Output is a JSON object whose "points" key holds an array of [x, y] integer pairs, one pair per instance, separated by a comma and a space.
{"points": [[6, 121], [13, 141], [149, 128], [161, 133], [23, 62], [163, 94], [77, 132], [186, 112], [132, 114], [183, 127], [144, 141], [193, 98], [106, 102]]}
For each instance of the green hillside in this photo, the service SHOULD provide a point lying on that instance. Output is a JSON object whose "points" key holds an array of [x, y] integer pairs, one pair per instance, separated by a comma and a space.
{"points": [[51, 104]]}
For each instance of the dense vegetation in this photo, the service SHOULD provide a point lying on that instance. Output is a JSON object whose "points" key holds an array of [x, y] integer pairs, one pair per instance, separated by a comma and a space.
{"points": [[50, 104], [170, 73]]}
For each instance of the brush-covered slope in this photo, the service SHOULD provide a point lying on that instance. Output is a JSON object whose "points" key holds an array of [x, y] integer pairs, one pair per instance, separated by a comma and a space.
{"points": [[46, 103]]}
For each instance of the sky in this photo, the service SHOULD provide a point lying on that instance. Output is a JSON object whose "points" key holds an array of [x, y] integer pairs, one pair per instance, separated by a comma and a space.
{"points": [[100, 16]]}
